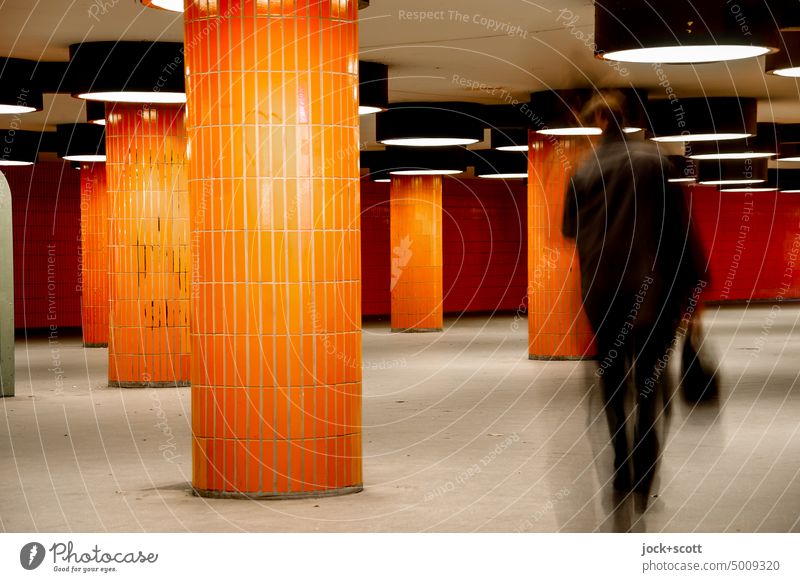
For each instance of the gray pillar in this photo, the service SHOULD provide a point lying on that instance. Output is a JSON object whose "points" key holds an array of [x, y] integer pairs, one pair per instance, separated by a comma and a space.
{"points": [[6, 292]]}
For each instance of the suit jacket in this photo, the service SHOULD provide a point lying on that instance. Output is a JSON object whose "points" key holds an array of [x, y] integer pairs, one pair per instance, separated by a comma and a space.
{"points": [[632, 231]]}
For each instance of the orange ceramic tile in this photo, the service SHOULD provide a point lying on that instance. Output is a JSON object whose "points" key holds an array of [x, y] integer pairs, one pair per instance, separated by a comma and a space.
{"points": [[279, 223], [148, 246], [416, 261], [94, 250], [557, 326]]}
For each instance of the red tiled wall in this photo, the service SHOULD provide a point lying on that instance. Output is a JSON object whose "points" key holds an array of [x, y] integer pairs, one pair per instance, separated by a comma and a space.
{"points": [[46, 211], [483, 226], [750, 240]]}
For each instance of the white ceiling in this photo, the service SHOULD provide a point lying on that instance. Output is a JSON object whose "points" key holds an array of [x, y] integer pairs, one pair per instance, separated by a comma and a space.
{"points": [[426, 58]]}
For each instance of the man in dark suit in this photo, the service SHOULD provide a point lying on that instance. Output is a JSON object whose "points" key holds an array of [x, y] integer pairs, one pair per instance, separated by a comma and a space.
{"points": [[638, 266]]}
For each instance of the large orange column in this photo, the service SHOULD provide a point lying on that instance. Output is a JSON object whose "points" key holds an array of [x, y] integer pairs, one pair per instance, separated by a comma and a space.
{"points": [[148, 244], [94, 255], [557, 326], [272, 93], [416, 242]]}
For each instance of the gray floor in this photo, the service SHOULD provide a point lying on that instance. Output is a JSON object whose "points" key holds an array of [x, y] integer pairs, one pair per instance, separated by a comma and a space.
{"points": [[462, 433]]}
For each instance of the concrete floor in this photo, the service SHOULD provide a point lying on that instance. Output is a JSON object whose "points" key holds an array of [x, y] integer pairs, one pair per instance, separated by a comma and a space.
{"points": [[462, 433]]}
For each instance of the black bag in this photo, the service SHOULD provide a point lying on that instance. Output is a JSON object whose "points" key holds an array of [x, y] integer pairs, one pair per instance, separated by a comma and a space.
{"points": [[699, 380]]}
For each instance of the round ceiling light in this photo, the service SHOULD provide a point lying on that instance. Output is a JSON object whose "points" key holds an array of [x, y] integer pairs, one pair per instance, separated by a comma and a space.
{"points": [[682, 171], [732, 172], [430, 124], [81, 142], [699, 119], [785, 63], [763, 145], [683, 31], [19, 147], [373, 87], [403, 161], [128, 72], [171, 5], [509, 140], [18, 92], [500, 165], [96, 112]]}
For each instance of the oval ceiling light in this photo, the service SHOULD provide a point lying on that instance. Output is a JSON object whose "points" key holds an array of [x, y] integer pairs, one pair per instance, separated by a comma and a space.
{"points": [[556, 112], [18, 92], [509, 140], [500, 165], [430, 124], [702, 119], [128, 71], [787, 180], [684, 170], [171, 5], [732, 172], [683, 31], [19, 147], [373, 87], [785, 63], [403, 161], [96, 112], [81, 142], [762, 145], [790, 152]]}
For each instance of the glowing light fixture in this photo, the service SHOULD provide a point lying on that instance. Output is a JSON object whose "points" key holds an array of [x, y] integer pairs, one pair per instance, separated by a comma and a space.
{"points": [[699, 119], [789, 152], [128, 71], [763, 145], [732, 172], [96, 112], [18, 147], [430, 124], [403, 161], [683, 31], [373, 87], [499, 165], [81, 142], [171, 5], [509, 140], [571, 131], [786, 63], [18, 92], [682, 171]]}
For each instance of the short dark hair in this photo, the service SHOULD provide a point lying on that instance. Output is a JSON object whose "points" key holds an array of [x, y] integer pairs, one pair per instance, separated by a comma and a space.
{"points": [[610, 106]]}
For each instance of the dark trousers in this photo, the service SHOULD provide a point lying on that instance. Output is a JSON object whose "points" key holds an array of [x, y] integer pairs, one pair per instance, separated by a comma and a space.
{"points": [[632, 352]]}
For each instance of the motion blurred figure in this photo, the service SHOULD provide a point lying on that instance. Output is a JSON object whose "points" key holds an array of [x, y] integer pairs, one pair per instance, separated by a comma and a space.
{"points": [[638, 267]]}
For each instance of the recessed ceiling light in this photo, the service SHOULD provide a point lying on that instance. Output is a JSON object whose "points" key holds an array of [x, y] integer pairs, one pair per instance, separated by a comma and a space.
{"points": [[786, 62], [81, 142], [382, 180], [18, 92], [681, 180], [632, 129]]}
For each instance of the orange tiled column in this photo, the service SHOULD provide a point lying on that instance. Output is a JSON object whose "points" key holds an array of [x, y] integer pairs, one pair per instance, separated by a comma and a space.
{"points": [[416, 241], [276, 317], [557, 326], [148, 245], [94, 255]]}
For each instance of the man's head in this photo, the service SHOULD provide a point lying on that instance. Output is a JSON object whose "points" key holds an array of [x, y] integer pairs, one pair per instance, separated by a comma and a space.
{"points": [[605, 110]]}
